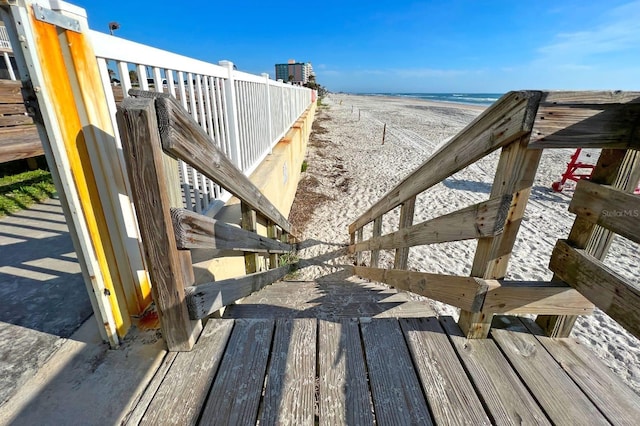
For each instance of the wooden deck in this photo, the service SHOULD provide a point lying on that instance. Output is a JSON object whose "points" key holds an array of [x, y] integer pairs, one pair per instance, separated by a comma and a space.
{"points": [[359, 353]]}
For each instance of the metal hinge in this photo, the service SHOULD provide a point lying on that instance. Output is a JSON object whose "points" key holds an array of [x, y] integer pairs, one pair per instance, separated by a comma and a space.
{"points": [[50, 17]]}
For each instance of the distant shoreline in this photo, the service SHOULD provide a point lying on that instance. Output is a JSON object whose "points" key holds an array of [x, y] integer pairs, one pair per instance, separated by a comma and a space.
{"points": [[481, 99], [430, 102]]}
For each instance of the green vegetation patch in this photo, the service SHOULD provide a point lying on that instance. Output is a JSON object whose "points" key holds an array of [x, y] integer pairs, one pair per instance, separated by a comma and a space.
{"points": [[17, 192]]}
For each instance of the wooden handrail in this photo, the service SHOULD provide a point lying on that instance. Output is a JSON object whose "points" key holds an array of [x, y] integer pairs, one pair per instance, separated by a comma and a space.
{"points": [[505, 121], [194, 230], [184, 139]]}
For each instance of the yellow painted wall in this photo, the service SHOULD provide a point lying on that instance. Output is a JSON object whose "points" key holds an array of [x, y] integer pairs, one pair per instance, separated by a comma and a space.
{"points": [[277, 177]]}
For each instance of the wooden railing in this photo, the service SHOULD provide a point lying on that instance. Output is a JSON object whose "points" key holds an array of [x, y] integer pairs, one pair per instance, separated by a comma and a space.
{"points": [[522, 124], [156, 132], [19, 136]]}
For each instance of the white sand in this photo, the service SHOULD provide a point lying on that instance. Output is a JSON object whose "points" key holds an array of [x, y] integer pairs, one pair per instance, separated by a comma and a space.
{"points": [[355, 170]]}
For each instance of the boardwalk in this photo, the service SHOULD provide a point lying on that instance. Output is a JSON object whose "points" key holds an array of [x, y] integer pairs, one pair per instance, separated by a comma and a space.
{"points": [[354, 353]]}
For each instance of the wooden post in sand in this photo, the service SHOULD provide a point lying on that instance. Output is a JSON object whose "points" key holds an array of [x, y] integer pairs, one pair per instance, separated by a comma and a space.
{"points": [[384, 132]]}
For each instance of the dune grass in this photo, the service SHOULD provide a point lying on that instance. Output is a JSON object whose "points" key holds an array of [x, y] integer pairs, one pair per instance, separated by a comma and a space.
{"points": [[19, 191]]}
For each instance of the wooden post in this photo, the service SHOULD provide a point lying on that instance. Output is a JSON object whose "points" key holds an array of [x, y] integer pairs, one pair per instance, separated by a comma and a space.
{"points": [[359, 238], [250, 223], [406, 220], [273, 232], [620, 169], [137, 121], [384, 132], [515, 173], [377, 231]]}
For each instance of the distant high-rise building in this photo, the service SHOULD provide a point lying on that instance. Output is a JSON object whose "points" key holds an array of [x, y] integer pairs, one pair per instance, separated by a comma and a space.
{"points": [[295, 72]]}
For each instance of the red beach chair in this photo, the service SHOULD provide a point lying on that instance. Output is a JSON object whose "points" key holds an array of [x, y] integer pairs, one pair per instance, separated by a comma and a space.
{"points": [[576, 170]]}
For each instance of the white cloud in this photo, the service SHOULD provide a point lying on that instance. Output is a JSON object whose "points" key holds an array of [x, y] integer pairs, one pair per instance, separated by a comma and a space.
{"points": [[619, 31]]}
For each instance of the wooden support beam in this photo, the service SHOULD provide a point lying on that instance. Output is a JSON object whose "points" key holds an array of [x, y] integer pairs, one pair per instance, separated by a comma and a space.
{"points": [[514, 177], [359, 236], [141, 143], [406, 220], [616, 296], [273, 232], [507, 120], [463, 292], [183, 138], [621, 170], [377, 231], [485, 219], [194, 230], [608, 207], [534, 297], [249, 224], [205, 299], [588, 120]]}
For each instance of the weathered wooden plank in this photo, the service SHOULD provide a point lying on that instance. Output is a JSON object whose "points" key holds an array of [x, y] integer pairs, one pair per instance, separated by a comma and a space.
{"points": [[401, 258], [249, 224], [359, 237], [289, 395], [205, 299], [141, 144], [560, 398], [505, 121], [535, 297], [18, 108], [584, 125], [134, 417], [449, 392], [377, 231], [274, 233], [194, 230], [21, 142], [608, 392], [397, 394], [613, 209], [183, 138], [15, 120], [503, 393], [344, 393], [484, 219], [514, 177], [580, 97], [11, 92], [617, 297], [621, 169], [235, 394], [462, 292], [184, 390]]}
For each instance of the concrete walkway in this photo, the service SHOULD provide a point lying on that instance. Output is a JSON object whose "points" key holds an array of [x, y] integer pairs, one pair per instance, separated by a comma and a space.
{"points": [[54, 367], [43, 295]]}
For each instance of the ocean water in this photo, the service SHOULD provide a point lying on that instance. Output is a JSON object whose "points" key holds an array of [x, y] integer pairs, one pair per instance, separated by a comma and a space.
{"points": [[462, 98]]}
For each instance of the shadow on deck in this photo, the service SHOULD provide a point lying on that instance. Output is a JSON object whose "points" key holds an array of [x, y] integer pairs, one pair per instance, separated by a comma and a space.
{"points": [[350, 352]]}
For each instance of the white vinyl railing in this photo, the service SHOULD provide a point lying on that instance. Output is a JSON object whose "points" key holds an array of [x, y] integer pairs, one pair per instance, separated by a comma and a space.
{"points": [[245, 114]]}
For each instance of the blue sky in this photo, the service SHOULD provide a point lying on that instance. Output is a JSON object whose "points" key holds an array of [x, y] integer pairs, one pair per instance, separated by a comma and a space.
{"points": [[401, 46]]}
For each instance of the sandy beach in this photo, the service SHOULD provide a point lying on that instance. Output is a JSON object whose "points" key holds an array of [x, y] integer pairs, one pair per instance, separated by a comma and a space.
{"points": [[349, 169]]}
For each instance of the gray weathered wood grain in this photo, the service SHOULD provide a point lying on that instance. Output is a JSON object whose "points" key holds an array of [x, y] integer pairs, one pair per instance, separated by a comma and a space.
{"points": [[205, 299], [183, 138], [611, 395], [395, 388], [558, 395], [181, 396], [194, 230], [236, 391], [289, 395], [344, 397], [498, 385], [449, 392]]}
